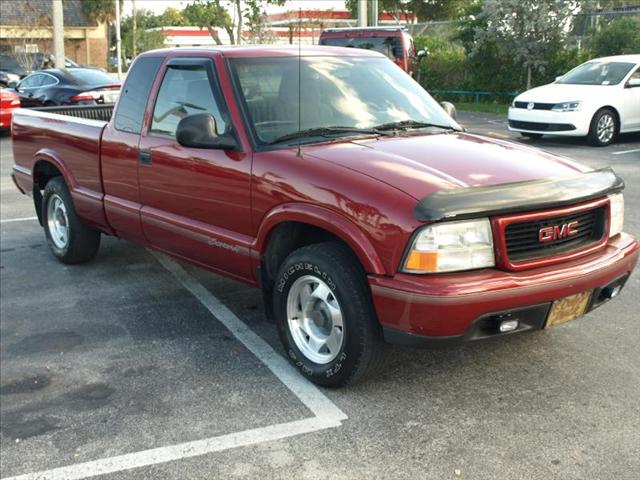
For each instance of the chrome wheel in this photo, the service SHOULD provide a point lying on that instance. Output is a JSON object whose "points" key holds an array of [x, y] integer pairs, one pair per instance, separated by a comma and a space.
{"points": [[58, 221], [605, 128], [315, 319]]}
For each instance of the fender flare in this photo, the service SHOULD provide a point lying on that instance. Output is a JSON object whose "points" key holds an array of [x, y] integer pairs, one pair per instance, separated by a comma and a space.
{"points": [[328, 220], [49, 156]]}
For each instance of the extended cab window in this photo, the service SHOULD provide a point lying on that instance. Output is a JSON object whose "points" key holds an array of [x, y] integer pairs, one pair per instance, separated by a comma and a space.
{"points": [[184, 92], [135, 94]]}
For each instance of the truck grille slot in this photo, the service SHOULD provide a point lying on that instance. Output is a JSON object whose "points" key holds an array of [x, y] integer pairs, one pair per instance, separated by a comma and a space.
{"points": [[523, 239]]}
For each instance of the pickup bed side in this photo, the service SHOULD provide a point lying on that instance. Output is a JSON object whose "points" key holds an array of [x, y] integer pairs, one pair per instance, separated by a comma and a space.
{"points": [[47, 144]]}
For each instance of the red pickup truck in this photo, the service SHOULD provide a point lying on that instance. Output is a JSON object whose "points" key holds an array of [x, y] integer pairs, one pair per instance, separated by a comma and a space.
{"points": [[332, 181]]}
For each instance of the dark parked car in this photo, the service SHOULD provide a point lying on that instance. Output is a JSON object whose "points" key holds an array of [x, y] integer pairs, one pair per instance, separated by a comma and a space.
{"points": [[72, 86]]}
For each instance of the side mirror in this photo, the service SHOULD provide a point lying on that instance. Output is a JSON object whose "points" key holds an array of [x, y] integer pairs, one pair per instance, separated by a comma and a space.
{"points": [[422, 54], [199, 131], [450, 109], [559, 77], [632, 83]]}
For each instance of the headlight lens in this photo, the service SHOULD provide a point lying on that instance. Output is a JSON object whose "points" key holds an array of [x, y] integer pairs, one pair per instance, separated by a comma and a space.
{"points": [[451, 247], [616, 207], [566, 107]]}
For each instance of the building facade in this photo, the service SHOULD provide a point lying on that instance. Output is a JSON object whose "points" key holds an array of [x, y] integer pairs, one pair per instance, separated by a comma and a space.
{"points": [[25, 27]]}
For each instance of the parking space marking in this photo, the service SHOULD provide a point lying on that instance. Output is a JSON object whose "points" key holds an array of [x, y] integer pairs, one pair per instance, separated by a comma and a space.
{"points": [[626, 151], [23, 219], [326, 413]]}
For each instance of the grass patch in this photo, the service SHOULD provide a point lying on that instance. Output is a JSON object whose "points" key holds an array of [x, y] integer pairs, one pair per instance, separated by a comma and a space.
{"points": [[482, 107]]}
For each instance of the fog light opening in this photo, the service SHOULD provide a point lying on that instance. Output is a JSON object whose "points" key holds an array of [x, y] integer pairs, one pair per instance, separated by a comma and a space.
{"points": [[508, 325]]}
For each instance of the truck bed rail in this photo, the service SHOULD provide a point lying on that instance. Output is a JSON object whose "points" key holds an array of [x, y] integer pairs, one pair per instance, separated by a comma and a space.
{"points": [[89, 112]]}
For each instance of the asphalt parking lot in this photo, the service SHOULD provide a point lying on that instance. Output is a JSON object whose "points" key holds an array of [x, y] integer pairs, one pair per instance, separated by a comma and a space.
{"points": [[135, 366]]}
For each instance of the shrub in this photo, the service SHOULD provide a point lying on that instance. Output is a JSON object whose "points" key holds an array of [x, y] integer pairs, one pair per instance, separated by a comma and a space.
{"points": [[618, 38]]}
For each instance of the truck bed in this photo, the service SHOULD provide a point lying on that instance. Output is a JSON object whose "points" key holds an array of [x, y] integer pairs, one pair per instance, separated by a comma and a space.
{"points": [[68, 137]]}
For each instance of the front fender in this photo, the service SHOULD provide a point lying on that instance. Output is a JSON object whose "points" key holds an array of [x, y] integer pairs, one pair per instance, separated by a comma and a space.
{"points": [[328, 220]]}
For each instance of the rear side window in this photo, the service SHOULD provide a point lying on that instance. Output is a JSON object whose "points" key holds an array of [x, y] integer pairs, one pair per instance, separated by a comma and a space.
{"points": [[135, 94], [184, 92]]}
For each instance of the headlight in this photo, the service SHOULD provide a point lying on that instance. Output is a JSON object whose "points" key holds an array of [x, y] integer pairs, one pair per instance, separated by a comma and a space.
{"points": [[616, 208], [566, 107], [450, 247]]}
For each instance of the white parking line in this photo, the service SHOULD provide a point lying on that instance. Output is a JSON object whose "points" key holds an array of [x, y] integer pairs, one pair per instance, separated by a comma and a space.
{"points": [[327, 414], [23, 219], [626, 151]]}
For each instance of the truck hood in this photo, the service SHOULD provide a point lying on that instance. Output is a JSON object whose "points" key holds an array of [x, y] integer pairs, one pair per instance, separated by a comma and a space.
{"points": [[422, 164]]}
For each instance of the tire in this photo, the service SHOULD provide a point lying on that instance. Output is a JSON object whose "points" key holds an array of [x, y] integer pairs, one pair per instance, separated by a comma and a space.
{"points": [[532, 136], [604, 128], [332, 279], [79, 244]]}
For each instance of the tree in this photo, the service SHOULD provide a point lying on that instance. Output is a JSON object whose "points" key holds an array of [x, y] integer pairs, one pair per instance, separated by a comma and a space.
{"points": [[410, 10], [210, 14], [145, 39], [171, 17], [618, 38], [100, 10], [528, 31]]}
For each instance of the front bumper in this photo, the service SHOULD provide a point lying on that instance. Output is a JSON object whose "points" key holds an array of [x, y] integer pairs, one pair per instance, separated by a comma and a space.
{"points": [[441, 308], [548, 122]]}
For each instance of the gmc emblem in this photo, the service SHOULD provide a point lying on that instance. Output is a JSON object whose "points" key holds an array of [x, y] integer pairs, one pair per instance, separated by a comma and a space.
{"points": [[547, 234]]}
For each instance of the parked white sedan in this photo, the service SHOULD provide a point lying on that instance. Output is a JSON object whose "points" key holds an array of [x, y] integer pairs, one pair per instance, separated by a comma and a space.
{"points": [[598, 99]]}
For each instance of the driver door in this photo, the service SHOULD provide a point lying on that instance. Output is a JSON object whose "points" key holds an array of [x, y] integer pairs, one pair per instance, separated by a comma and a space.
{"points": [[195, 201]]}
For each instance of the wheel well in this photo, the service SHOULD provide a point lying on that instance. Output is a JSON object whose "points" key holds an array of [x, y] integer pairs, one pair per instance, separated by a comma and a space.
{"points": [[615, 112], [284, 239], [43, 171]]}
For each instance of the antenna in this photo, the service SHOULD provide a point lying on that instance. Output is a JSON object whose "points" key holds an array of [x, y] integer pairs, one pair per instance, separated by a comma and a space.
{"points": [[299, 78]]}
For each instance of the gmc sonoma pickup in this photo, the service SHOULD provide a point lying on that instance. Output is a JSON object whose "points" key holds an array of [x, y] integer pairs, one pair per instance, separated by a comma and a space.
{"points": [[331, 180]]}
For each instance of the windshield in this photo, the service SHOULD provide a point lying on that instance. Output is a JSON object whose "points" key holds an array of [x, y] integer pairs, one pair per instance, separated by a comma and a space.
{"points": [[598, 73], [352, 93], [389, 46]]}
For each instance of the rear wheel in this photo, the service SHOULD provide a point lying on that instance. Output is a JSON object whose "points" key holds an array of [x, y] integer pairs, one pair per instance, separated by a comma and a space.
{"points": [[69, 240], [325, 315], [603, 129]]}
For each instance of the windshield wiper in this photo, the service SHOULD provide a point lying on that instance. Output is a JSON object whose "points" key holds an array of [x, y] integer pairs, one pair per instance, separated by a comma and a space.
{"points": [[326, 132], [409, 124]]}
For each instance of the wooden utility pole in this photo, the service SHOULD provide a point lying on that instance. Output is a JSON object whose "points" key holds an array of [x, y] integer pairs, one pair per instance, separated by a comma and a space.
{"points": [[362, 13], [58, 32], [118, 40], [134, 51]]}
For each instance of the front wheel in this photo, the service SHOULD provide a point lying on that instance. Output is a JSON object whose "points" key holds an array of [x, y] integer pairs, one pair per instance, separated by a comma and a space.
{"points": [[69, 240], [603, 128], [325, 315]]}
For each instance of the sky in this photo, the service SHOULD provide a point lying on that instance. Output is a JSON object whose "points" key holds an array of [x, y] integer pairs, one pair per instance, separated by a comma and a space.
{"points": [[158, 6]]}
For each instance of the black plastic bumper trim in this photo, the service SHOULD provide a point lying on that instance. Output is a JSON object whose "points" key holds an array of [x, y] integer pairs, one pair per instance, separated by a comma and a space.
{"points": [[461, 203]]}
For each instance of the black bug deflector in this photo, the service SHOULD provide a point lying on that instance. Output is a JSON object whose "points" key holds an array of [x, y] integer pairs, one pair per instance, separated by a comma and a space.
{"points": [[518, 196]]}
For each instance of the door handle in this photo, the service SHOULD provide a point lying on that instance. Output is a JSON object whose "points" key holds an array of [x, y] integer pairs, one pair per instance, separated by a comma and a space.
{"points": [[144, 157]]}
